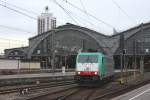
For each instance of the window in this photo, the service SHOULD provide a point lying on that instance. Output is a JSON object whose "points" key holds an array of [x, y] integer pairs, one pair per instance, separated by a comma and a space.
{"points": [[147, 39], [38, 51], [88, 59], [16, 53]]}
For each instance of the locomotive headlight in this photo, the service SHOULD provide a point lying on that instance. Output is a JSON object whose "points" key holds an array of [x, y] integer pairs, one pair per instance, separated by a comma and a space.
{"points": [[95, 73], [78, 72]]}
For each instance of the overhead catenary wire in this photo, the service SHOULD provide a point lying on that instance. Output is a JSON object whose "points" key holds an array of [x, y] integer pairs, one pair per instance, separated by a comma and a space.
{"points": [[11, 40], [15, 44], [14, 28], [121, 9], [23, 9], [75, 16], [88, 17], [68, 13], [17, 11], [101, 21], [86, 12], [80, 19]]}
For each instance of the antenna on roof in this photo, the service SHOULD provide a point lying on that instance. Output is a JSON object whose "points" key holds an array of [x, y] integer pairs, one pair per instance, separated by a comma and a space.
{"points": [[115, 31], [46, 9]]}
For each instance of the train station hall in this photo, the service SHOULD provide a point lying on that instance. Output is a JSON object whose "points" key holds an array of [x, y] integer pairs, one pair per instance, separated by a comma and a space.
{"points": [[60, 46]]}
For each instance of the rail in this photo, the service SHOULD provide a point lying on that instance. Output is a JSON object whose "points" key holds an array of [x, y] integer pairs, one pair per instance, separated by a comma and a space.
{"points": [[36, 86]]}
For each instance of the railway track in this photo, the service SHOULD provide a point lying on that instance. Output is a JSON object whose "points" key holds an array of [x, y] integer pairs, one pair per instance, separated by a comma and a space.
{"points": [[34, 87], [74, 93], [83, 93], [106, 92], [119, 91], [63, 97], [52, 92], [71, 91]]}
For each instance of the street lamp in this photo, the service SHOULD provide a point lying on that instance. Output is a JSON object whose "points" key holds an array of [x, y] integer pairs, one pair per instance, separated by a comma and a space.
{"points": [[18, 67], [142, 61], [54, 51], [146, 50]]}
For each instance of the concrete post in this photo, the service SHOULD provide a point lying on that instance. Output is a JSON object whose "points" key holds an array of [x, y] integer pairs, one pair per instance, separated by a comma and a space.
{"points": [[142, 66], [121, 68], [63, 69], [53, 50], [18, 67]]}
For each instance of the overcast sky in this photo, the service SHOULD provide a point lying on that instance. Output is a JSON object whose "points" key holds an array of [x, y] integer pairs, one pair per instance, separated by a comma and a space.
{"points": [[131, 13]]}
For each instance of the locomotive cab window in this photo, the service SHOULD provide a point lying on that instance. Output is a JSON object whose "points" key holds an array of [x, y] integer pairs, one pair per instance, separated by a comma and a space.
{"points": [[102, 60], [88, 59]]}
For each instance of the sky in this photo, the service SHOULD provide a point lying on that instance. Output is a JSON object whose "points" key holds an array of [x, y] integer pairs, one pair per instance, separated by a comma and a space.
{"points": [[118, 14]]}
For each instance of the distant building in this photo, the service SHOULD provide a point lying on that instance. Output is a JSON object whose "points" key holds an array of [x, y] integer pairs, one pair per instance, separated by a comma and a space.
{"points": [[46, 22]]}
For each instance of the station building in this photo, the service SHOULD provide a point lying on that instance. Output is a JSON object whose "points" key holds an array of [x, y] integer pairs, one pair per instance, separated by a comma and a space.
{"points": [[64, 42]]}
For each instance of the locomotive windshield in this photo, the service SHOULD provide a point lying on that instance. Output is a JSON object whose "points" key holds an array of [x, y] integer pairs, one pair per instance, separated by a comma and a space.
{"points": [[88, 59]]}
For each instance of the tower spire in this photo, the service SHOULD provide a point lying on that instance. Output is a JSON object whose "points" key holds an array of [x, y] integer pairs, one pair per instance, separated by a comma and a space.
{"points": [[46, 9]]}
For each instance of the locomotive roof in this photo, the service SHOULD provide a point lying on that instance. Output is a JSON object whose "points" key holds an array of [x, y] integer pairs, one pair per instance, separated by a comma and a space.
{"points": [[90, 53]]}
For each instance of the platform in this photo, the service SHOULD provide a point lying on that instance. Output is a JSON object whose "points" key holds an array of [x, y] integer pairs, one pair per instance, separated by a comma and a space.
{"points": [[33, 78], [141, 93], [36, 75]]}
